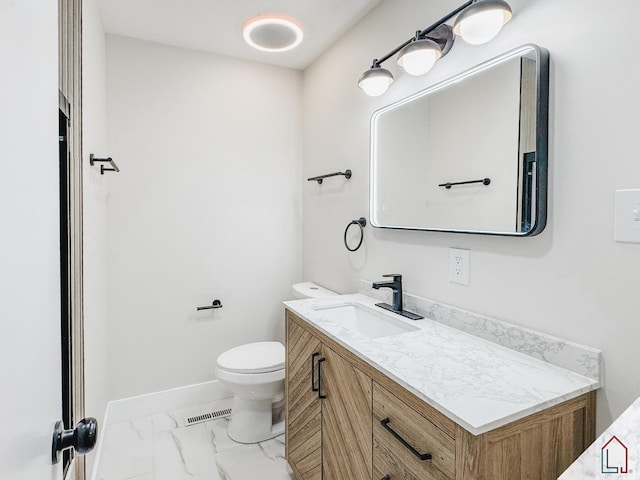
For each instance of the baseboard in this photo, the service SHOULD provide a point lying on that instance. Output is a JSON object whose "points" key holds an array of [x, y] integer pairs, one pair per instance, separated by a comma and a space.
{"points": [[158, 402]]}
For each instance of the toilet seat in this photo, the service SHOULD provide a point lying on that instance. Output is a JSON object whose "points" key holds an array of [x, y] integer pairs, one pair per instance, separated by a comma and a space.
{"points": [[253, 358]]}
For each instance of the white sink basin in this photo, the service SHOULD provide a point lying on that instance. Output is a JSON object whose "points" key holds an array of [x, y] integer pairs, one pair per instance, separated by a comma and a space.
{"points": [[365, 321]]}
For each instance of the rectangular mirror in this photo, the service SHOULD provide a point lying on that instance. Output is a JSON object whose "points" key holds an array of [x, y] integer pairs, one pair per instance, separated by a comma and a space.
{"points": [[468, 154]]}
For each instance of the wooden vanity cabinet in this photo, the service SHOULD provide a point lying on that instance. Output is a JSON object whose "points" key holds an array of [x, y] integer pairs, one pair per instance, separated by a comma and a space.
{"points": [[370, 428], [328, 411], [402, 437], [303, 434], [346, 419]]}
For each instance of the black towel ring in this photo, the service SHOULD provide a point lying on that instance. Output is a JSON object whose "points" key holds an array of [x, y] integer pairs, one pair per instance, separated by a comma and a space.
{"points": [[361, 222]]}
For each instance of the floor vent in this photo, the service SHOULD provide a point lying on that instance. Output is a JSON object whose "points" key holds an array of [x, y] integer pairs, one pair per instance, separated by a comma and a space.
{"points": [[206, 417]]}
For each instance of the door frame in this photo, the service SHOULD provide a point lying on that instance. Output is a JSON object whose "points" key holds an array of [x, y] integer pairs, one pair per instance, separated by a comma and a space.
{"points": [[70, 92]]}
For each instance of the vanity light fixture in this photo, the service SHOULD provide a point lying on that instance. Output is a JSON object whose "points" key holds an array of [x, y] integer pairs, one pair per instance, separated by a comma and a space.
{"points": [[419, 56], [478, 22], [272, 33], [376, 80], [482, 21]]}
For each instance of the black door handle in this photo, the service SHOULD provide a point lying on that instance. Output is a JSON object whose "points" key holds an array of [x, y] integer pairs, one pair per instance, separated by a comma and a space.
{"points": [[421, 456], [313, 372], [320, 395], [82, 438]]}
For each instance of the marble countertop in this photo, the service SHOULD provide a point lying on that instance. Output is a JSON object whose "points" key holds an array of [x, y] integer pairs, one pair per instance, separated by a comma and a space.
{"points": [[615, 454], [477, 383]]}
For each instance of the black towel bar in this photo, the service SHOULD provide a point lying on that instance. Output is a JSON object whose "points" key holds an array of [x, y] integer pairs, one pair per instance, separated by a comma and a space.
{"points": [[346, 173], [448, 185]]}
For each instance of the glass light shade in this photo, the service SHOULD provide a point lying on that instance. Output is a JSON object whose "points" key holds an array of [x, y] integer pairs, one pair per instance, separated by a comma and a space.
{"points": [[418, 57], [480, 22], [375, 81]]}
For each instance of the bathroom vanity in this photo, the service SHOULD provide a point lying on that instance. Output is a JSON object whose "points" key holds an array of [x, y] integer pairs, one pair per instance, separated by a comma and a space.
{"points": [[425, 401]]}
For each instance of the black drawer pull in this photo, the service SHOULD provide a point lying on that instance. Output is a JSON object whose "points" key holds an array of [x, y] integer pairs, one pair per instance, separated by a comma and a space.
{"points": [[320, 395], [386, 477], [313, 372], [421, 456]]}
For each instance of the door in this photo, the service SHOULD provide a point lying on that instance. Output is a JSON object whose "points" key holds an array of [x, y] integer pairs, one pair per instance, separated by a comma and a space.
{"points": [[30, 352]]}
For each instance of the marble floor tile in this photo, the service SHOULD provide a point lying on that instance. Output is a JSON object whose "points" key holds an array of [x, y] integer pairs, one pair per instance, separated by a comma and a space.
{"points": [[247, 462], [184, 453], [158, 447], [218, 433], [128, 450], [163, 422]]}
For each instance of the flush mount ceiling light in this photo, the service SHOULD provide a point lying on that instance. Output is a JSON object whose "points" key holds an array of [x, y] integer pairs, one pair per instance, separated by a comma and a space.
{"points": [[272, 33], [478, 22]]}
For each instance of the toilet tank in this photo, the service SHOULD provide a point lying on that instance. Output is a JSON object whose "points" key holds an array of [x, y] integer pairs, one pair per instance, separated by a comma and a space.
{"points": [[310, 290]]}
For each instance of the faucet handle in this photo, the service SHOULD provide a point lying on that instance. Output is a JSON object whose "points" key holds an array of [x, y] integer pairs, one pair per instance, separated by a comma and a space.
{"points": [[396, 276]]}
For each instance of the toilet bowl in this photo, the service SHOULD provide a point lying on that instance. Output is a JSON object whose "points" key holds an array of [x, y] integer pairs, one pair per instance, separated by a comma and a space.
{"points": [[255, 375]]}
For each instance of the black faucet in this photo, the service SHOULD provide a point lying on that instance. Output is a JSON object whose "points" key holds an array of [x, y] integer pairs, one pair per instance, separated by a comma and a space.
{"points": [[396, 286]]}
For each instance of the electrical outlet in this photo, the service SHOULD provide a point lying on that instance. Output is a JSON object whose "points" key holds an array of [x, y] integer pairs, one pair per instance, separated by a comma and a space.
{"points": [[459, 266]]}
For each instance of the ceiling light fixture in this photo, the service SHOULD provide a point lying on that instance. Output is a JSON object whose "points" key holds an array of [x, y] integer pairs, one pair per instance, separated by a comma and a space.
{"points": [[272, 33], [478, 22]]}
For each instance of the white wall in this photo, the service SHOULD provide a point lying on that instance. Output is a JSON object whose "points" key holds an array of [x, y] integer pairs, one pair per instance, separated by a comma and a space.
{"points": [[95, 241], [29, 239], [207, 205], [573, 280]]}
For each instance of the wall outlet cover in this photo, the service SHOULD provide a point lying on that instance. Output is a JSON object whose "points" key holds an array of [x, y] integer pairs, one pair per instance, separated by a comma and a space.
{"points": [[459, 266], [627, 216]]}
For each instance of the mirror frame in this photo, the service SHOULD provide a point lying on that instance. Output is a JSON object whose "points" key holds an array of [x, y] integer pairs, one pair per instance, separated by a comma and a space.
{"points": [[541, 140]]}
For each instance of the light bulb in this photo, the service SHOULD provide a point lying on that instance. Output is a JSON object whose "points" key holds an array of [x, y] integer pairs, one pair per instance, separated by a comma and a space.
{"points": [[418, 57], [482, 21], [375, 81]]}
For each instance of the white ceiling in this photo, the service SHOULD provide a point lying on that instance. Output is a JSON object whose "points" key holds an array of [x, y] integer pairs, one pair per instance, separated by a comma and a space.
{"points": [[215, 25]]}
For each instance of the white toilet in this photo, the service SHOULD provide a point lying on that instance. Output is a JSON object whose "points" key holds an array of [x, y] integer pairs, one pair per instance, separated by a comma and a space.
{"points": [[255, 375]]}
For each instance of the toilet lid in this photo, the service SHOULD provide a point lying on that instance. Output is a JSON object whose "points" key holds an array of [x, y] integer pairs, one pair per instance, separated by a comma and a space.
{"points": [[259, 357]]}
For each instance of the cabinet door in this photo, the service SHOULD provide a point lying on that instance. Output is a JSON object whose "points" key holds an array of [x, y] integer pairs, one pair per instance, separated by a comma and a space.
{"points": [[303, 411], [346, 419]]}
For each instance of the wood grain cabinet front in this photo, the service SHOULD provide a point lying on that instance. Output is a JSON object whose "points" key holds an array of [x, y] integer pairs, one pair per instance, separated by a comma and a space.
{"points": [[303, 435], [328, 411], [346, 420], [406, 444]]}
